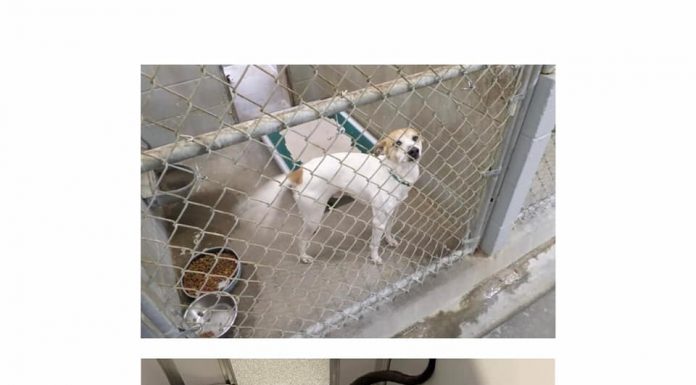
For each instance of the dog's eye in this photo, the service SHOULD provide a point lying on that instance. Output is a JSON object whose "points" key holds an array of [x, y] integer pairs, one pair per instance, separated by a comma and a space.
{"points": [[398, 143], [415, 138]]}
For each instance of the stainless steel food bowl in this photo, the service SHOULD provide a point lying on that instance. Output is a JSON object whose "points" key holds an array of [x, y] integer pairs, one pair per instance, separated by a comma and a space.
{"points": [[211, 315], [231, 282]]}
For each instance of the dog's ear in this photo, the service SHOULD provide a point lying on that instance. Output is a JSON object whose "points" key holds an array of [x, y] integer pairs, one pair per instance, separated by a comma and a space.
{"points": [[382, 146]]}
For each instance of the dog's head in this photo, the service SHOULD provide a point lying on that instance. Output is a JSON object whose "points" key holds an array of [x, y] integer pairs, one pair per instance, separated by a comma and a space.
{"points": [[402, 145]]}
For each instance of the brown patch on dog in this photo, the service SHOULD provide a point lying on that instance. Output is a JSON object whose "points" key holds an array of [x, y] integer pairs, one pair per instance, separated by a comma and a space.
{"points": [[296, 176], [384, 146], [403, 133]]}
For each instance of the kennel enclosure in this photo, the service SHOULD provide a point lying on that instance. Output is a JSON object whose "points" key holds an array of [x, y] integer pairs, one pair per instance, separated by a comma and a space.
{"points": [[213, 135]]}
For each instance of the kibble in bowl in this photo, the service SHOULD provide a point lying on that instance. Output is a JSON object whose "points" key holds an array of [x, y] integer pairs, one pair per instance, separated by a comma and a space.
{"points": [[215, 269]]}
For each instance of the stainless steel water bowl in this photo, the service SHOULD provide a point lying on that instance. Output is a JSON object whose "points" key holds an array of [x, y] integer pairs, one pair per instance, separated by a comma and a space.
{"points": [[211, 315]]}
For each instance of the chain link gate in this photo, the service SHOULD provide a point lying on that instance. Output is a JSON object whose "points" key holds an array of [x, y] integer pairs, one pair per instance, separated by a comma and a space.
{"points": [[213, 137]]}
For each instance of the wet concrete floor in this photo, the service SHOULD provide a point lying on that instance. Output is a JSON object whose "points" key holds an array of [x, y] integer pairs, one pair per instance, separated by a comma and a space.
{"points": [[538, 320]]}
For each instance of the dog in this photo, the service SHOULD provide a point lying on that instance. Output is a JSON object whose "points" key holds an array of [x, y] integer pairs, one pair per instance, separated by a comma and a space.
{"points": [[381, 179]]}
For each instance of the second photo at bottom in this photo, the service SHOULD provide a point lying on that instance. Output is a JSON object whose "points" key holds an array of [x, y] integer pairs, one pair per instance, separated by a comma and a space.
{"points": [[347, 371]]}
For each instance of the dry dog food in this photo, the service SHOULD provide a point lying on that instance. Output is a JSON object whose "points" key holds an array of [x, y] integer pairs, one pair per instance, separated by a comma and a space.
{"points": [[206, 272]]}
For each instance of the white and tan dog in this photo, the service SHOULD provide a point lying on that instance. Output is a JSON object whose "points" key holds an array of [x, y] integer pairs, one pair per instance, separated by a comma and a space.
{"points": [[382, 181]]}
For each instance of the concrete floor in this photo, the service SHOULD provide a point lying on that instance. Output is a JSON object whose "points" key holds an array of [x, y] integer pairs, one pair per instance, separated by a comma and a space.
{"points": [[538, 320], [494, 300], [278, 296]]}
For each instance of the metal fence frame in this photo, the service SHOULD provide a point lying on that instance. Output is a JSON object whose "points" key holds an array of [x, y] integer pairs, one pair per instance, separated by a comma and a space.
{"points": [[524, 134], [536, 126], [227, 136]]}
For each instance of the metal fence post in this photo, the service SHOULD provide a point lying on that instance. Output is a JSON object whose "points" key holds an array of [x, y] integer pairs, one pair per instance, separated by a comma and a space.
{"points": [[171, 371], [530, 75], [334, 371], [528, 150], [227, 371], [156, 317]]}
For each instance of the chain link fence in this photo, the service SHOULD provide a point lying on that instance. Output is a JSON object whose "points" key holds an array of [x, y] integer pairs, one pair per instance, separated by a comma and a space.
{"points": [[542, 194], [215, 139]]}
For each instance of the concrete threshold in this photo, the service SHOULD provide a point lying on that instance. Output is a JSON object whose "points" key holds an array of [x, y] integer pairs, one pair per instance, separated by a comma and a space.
{"points": [[473, 296], [495, 300]]}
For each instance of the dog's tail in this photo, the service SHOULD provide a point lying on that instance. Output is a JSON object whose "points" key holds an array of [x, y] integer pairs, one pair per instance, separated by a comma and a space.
{"points": [[398, 377]]}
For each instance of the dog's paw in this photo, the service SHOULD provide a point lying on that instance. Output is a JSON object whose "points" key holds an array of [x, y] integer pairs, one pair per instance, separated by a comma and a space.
{"points": [[391, 241], [306, 259], [376, 260]]}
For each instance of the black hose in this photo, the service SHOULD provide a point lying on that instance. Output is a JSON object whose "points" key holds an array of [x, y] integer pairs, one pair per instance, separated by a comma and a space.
{"points": [[398, 377]]}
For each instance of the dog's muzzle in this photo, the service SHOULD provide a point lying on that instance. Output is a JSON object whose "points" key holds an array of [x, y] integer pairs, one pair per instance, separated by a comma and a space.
{"points": [[414, 153]]}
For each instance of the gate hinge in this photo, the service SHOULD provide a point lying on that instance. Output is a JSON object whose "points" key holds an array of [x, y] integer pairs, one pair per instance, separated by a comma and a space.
{"points": [[490, 173], [514, 102]]}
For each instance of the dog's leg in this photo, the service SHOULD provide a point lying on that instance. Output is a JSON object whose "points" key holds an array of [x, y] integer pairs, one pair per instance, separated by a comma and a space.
{"points": [[379, 225], [312, 213], [388, 236]]}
